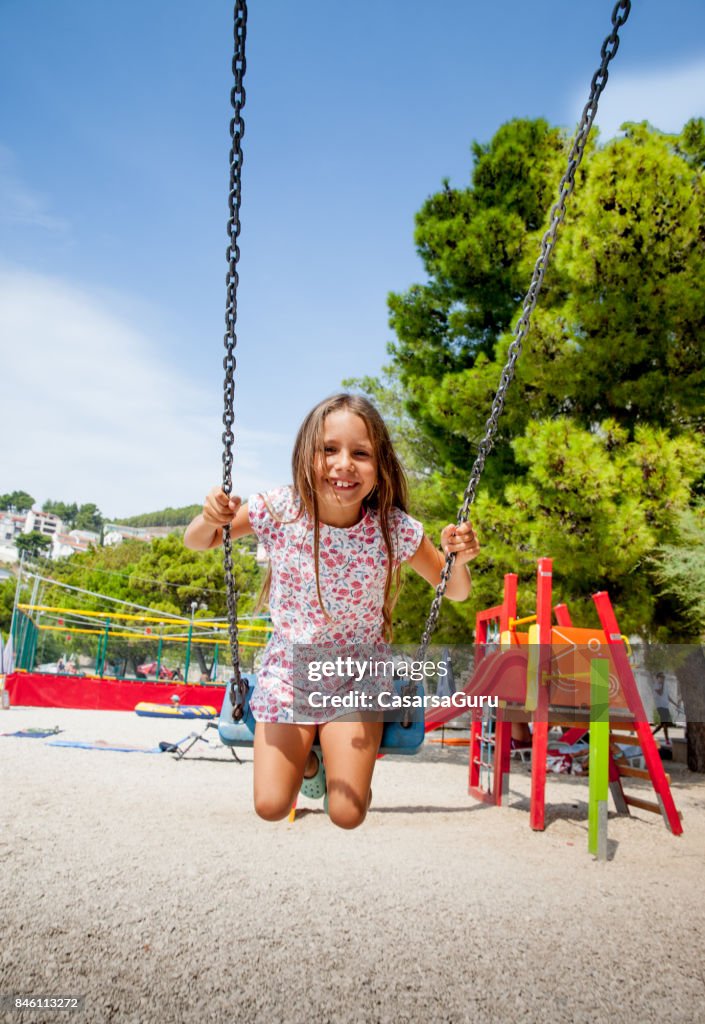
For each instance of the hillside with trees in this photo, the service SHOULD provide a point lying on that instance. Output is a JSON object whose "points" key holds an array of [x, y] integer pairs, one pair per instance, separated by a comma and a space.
{"points": [[166, 517], [89, 516]]}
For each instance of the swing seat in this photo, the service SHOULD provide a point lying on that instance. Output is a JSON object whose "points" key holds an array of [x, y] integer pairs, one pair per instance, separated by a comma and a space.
{"points": [[242, 733], [395, 739]]}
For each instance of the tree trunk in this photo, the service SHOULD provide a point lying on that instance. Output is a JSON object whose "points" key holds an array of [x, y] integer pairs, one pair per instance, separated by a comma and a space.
{"points": [[691, 679], [695, 735]]}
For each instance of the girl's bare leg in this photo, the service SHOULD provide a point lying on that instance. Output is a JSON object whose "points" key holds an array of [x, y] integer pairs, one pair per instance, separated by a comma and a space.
{"points": [[349, 751], [280, 753]]}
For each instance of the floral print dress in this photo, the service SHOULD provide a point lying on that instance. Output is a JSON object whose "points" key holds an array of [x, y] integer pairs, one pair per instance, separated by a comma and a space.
{"points": [[352, 573]]}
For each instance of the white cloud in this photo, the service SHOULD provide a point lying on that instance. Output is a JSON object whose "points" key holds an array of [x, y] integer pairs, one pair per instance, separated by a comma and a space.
{"points": [[91, 413], [19, 204], [666, 97]]}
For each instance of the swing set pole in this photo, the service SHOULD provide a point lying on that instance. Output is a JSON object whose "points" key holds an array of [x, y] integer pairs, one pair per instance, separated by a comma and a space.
{"points": [[18, 585]]}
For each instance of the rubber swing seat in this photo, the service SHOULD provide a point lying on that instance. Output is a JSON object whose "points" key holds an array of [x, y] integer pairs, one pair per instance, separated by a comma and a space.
{"points": [[396, 739]]}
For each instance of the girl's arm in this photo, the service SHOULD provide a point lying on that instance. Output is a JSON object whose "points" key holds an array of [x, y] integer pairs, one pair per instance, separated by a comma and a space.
{"points": [[206, 530], [429, 561]]}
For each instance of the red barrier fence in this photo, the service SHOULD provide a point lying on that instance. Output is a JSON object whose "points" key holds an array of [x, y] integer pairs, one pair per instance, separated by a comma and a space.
{"points": [[40, 690]]}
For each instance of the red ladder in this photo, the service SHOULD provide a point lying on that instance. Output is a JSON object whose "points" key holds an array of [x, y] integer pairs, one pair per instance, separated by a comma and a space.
{"points": [[638, 731]]}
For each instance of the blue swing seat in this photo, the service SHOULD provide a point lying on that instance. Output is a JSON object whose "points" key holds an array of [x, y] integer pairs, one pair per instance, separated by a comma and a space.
{"points": [[395, 738]]}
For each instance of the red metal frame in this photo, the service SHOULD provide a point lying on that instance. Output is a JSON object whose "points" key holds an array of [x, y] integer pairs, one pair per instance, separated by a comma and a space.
{"points": [[654, 765], [503, 730], [539, 743], [562, 615]]}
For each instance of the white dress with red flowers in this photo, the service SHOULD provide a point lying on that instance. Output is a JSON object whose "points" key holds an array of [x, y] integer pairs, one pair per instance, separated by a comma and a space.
{"points": [[352, 573]]}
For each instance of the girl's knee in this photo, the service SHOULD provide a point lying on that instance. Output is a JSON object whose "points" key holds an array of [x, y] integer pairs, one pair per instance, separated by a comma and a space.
{"points": [[347, 820], [272, 807], [347, 814]]}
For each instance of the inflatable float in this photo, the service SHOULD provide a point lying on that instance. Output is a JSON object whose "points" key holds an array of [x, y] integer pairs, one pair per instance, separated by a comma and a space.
{"points": [[147, 710]]}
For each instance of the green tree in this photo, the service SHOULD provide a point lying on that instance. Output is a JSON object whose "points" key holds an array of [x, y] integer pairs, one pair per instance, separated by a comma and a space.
{"points": [[100, 578], [474, 244], [89, 518], [170, 573], [679, 569], [34, 544], [162, 575], [692, 142], [66, 513], [16, 501], [7, 600], [631, 309], [599, 503], [182, 578], [618, 332]]}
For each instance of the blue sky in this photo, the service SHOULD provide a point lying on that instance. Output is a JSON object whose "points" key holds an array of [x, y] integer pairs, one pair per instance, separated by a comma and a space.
{"points": [[113, 185]]}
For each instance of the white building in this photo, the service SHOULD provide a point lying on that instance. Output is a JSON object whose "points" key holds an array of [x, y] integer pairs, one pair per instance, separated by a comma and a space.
{"points": [[65, 544], [115, 533], [11, 526], [45, 523]]}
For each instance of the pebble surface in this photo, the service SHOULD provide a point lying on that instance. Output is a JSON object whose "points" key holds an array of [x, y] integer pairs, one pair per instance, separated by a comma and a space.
{"points": [[149, 887]]}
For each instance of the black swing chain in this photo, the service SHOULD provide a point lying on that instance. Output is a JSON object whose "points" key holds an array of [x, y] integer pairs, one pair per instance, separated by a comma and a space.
{"points": [[620, 13], [238, 687]]}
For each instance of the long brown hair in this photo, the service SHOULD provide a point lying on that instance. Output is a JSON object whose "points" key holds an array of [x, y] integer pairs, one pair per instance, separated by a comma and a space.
{"points": [[391, 489]]}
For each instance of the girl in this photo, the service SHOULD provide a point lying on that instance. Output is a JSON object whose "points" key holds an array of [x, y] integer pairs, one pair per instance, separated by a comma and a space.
{"points": [[335, 540]]}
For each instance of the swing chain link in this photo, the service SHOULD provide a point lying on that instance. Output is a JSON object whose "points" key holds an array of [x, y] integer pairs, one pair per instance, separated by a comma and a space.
{"points": [[238, 686], [609, 48]]}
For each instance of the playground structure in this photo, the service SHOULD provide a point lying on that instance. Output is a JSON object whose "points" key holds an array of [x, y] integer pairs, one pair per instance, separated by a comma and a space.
{"points": [[543, 676], [158, 647], [81, 657]]}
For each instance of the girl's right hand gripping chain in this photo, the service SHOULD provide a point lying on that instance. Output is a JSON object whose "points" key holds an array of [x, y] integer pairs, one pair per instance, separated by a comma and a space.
{"points": [[219, 509]]}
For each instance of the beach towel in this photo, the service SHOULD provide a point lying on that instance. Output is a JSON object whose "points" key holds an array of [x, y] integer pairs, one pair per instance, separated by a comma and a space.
{"points": [[33, 734], [104, 745]]}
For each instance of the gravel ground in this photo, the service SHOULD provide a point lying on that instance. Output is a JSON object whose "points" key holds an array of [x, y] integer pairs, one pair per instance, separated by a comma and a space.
{"points": [[149, 887]]}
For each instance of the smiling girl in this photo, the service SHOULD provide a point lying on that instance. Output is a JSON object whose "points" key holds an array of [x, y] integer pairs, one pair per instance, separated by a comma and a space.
{"points": [[336, 540]]}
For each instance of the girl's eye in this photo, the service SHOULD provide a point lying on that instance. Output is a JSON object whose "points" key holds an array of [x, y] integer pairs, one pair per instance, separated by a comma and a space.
{"points": [[331, 449]]}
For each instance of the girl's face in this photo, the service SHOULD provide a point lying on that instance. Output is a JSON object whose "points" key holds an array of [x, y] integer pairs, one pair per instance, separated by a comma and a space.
{"points": [[347, 471]]}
